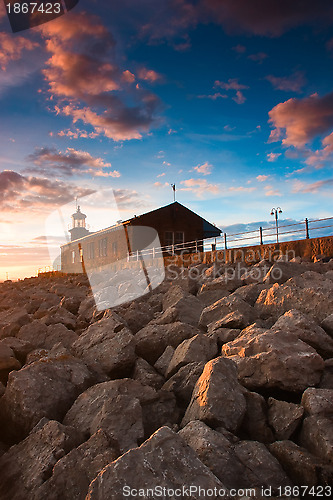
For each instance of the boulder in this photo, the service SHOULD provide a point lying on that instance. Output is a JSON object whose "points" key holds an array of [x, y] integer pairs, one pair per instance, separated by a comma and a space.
{"points": [[250, 293], [318, 402], [224, 306], [274, 359], [327, 324], [25, 466], [11, 321], [19, 347], [307, 330], [151, 341], [222, 335], [72, 474], [72, 304], [137, 317], [8, 362], [280, 272], [2, 389], [208, 297], [304, 469], [284, 418], [46, 388], [179, 305], [163, 361], [146, 374], [59, 314], [182, 383], [255, 423], [196, 349], [161, 462], [107, 344], [309, 293], [237, 464], [317, 436], [217, 397], [326, 381], [124, 409]]}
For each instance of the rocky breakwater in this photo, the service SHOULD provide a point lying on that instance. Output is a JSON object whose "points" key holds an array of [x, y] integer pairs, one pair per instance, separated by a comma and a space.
{"points": [[219, 381]]}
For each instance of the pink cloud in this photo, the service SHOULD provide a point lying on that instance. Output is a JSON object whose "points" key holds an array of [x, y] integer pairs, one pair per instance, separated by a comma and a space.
{"points": [[239, 97], [302, 187], [11, 48], [259, 57], [199, 187], [87, 82], [262, 178], [319, 157], [232, 84], [296, 122], [273, 156], [213, 97], [240, 49], [241, 189], [205, 168], [293, 83], [149, 75]]}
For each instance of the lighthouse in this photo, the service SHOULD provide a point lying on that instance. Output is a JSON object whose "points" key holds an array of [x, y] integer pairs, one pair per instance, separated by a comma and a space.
{"points": [[78, 229]]}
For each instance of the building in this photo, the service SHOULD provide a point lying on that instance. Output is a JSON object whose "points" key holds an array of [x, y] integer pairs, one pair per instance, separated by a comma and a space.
{"points": [[179, 229]]}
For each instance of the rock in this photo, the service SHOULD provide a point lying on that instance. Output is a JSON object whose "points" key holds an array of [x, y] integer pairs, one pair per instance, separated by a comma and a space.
{"points": [[137, 317], [274, 359], [222, 307], [25, 466], [327, 324], [46, 388], [146, 374], [250, 293], [35, 333], [20, 348], [165, 457], [120, 408], [211, 296], [8, 362], [163, 361], [2, 389], [317, 436], [179, 305], [152, 340], [222, 335], [228, 279], [304, 469], [217, 397], [73, 473], [11, 321], [307, 330], [326, 381], [238, 464], [234, 320], [255, 424], [196, 349], [72, 304], [182, 383], [309, 293], [107, 344], [59, 314], [280, 272], [284, 418], [87, 309], [318, 401]]}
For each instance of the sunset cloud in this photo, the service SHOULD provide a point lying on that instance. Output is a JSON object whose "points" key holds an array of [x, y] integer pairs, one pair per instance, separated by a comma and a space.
{"points": [[319, 157], [18, 192], [205, 168], [149, 75], [233, 84], [272, 156], [302, 187], [259, 57], [262, 178], [293, 83], [297, 122], [87, 82], [11, 48], [199, 187], [68, 163]]}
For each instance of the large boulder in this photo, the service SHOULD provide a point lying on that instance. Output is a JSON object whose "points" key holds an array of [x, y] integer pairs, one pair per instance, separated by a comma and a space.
{"points": [[304, 468], [217, 397], [41, 336], [147, 375], [310, 293], [274, 359], [307, 330], [280, 272], [284, 418], [46, 388], [225, 306], [61, 315], [237, 464], [255, 422], [317, 436], [318, 401], [151, 341], [327, 324], [180, 305], [124, 409], [72, 474], [107, 344], [163, 461], [182, 383], [196, 349], [25, 466], [11, 321], [8, 362]]}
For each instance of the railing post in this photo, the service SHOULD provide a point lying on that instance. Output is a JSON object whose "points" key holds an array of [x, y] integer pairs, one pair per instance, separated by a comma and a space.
{"points": [[173, 249], [153, 252], [196, 246], [225, 241], [307, 229], [261, 240], [137, 255]]}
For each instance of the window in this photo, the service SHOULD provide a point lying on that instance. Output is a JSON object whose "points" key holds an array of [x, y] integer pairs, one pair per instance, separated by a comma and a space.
{"points": [[114, 248], [102, 247], [73, 256], [179, 238], [168, 238], [91, 250]]}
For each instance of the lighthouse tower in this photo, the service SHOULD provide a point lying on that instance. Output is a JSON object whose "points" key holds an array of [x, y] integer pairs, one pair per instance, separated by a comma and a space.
{"points": [[78, 229]]}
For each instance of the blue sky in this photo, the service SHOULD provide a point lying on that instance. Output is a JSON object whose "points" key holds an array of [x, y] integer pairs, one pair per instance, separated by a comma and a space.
{"points": [[230, 100]]}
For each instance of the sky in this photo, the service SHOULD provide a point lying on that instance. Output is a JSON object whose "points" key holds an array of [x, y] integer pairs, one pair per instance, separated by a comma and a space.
{"points": [[230, 100]]}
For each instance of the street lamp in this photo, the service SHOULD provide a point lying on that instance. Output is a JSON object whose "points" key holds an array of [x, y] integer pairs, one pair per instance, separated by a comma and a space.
{"points": [[276, 212]]}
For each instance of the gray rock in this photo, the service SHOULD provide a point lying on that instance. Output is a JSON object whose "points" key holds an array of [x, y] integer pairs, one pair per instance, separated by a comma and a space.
{"points": [[284, 418], [326, 381], [196, 349], [164, 460], [317, 436], [255, 424], [217, 397], [318, 401], [163, 361], [146, 374], [107, 344], [182, 383], [327, 324]]}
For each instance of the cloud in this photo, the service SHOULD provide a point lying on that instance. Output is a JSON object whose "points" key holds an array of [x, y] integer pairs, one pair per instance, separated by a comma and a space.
{"points": [[293, 83], [205, 168], [87, 83], [272, 156], [240, 49], [329, 44], [127, 198], [213, 97], [241, 189], [68, 163], [301, 187], [270, 191], [149, 75], [18, 192], [259, 57], [232, 84], [159, 185], [161, 175], [298, 121], [11, 48], [319, 157], [199, 187], [239, 97], [262, 178]]}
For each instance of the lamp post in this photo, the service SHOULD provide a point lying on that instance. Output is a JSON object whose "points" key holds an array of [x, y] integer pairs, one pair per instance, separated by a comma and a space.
{"points": [[276, 212]]}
